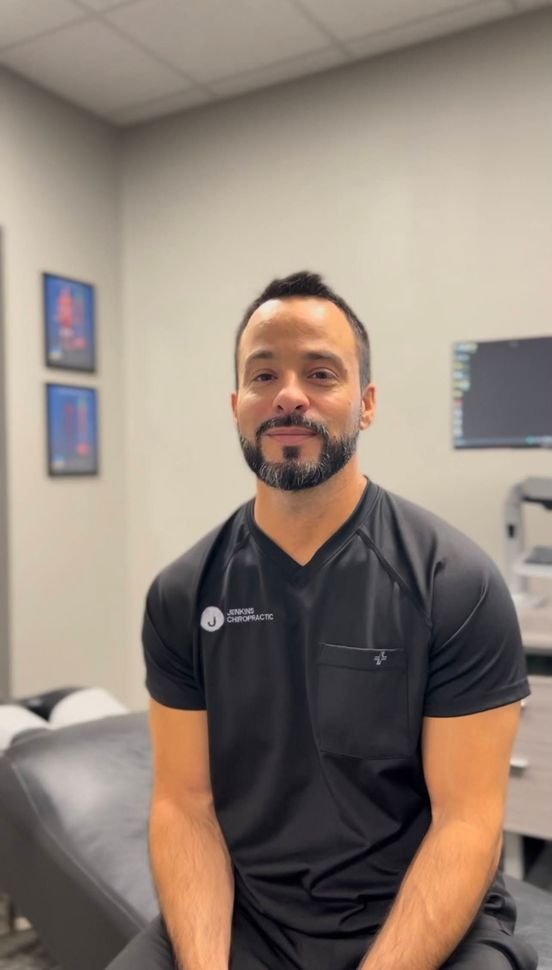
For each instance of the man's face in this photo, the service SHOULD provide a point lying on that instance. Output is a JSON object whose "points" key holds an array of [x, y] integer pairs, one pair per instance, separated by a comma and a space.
{"points": [[299, 408]]}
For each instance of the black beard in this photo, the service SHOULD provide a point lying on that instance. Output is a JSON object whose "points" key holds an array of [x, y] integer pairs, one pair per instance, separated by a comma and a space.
{"points": [[292, 474]]}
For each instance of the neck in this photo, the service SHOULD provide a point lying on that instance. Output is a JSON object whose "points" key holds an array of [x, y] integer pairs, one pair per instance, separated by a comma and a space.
{"points": [[304, 520]]}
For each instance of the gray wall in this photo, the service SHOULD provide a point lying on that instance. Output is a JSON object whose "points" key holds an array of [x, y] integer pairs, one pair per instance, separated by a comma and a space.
{"points": [[59, 206], [420, 183], [4, 588]]}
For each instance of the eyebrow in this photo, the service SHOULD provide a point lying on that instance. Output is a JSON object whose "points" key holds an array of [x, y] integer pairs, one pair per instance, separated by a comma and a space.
{"points": [[309, 355]]}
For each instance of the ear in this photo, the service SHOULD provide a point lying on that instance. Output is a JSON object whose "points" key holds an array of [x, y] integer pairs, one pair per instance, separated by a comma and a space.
{"points": [[368, 406], [234, 405]]}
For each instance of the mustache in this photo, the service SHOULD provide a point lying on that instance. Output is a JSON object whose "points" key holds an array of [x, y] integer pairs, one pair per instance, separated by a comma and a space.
{"points": [[292, 421]]}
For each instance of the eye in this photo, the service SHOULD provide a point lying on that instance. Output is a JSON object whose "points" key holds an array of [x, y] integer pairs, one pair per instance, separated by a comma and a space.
{"points": [[322, 374]]}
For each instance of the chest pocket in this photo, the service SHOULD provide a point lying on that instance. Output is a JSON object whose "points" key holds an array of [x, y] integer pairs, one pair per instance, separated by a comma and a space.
{"points": [[362, 702]]}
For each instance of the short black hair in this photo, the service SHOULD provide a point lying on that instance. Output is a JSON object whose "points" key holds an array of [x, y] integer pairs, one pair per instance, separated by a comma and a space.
{"points": [[307, 284]]}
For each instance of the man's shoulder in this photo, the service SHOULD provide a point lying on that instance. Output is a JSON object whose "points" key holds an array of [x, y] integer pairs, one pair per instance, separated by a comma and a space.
{"points": [[184, 572], [423, 531], [428, 555]]}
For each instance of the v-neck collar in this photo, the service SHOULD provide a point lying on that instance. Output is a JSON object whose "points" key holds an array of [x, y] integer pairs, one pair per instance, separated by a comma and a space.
{"points": [[339, 538]]}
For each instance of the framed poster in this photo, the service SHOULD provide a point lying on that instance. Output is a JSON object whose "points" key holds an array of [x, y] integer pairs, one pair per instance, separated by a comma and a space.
{"points": [[69, 323], [72, 420]]}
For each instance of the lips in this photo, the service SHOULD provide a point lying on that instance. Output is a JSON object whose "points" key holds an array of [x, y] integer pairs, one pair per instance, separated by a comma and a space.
{"points": [[290, 433], [290, 436]]}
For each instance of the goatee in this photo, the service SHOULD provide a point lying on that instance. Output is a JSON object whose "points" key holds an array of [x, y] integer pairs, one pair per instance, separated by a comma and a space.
{"points": [[293, 474]]}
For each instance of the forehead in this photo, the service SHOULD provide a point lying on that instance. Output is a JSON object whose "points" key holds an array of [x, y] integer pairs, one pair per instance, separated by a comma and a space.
{"points": [[299, 321]]}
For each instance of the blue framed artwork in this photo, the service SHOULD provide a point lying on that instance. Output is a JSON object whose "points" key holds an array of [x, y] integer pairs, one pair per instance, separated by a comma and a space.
{"points": [[72, 418], [69, 323]]}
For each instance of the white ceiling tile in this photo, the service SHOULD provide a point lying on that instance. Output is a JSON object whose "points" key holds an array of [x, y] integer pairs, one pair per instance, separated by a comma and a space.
{"points": [[352, 18], [274, 74], [531, 4], [98, 6], [160, 106], [414, 33], [22, 19], [94, 67], [212, 39]]}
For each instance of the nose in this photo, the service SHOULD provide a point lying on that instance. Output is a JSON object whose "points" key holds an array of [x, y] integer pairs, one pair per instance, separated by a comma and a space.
{"points": [[291, 397]]}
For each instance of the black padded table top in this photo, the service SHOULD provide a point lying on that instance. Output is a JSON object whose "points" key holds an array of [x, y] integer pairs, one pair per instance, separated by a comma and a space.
{"points": [[73, 840]]}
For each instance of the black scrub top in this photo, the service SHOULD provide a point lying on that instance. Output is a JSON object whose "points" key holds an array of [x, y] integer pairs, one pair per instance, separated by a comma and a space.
{"points": [[316, 680]]}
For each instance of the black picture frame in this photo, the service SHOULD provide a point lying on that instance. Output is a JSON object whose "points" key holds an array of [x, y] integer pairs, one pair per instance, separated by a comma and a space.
{"points": [[72, 430], [69, 323]]}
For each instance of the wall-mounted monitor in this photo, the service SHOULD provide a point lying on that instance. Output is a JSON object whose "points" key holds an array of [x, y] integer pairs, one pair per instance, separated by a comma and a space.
{"points": [[502, 393], [72, 417]]}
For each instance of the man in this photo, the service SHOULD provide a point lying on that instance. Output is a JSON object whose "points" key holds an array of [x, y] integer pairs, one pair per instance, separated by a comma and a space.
{"points": [[335, 677]]}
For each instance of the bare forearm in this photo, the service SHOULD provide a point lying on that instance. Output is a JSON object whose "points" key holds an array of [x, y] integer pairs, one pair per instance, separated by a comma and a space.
{"points": [[194, 878], [438, 900]]}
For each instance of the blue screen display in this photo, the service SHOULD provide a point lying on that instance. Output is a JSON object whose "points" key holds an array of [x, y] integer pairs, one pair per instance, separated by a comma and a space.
{"points": [[502, 393]]}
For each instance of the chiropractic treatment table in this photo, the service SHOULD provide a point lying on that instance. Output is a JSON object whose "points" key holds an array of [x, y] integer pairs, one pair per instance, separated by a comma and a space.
{"points": [[74, 805]]}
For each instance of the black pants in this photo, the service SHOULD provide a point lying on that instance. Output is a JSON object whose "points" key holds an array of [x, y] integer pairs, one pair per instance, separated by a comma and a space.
{"points": [[260, 945]]}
